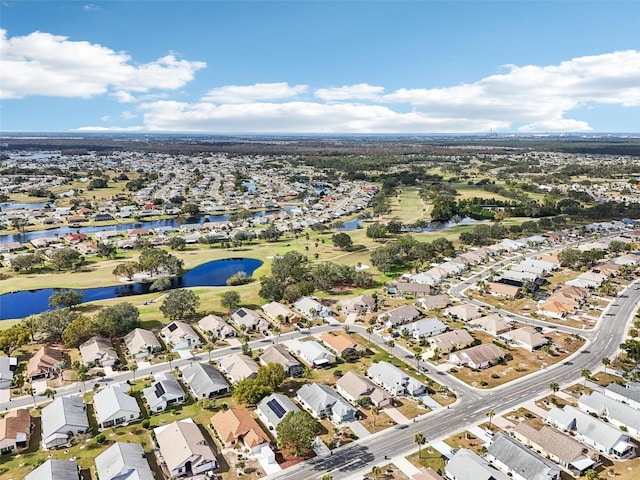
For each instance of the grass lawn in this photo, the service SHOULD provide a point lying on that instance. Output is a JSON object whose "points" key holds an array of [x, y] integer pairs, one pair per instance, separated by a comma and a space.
{"points": [[429, 457]]}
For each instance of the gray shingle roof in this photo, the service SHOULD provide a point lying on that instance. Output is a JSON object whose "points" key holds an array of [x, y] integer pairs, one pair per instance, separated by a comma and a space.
{"points": [[123, 461], [520, 459], [55, 470], [203, 378]]}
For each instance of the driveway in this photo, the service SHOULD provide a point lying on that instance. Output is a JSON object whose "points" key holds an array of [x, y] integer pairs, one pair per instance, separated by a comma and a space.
{"points": [[357, 428], [396, 416]]}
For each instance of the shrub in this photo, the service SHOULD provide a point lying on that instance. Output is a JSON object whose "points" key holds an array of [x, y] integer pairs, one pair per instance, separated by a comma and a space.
{"points": [[101, 438], [146, 423]]}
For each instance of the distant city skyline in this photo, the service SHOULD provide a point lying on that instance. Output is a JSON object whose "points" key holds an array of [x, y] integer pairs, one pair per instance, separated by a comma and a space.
{"points": [[280, 67]]}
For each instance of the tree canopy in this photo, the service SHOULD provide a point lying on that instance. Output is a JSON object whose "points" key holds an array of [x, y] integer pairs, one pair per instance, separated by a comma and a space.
{"points": [[180, 304], [297, 431]]}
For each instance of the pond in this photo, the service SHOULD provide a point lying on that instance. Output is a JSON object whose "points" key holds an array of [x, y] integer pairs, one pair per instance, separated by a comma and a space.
{"points": [[211, 274]]}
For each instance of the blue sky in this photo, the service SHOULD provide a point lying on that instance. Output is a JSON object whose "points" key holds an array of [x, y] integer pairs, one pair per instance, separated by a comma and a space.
{"points": [[320, 66]]}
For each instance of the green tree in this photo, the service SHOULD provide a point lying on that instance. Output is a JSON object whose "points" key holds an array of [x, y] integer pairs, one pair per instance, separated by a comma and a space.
{"points": [[272, 375], [375, 471], [180, 304], [190, 209], [375, 411], [249, 391], [632, 349], [53, 323], [554, 387], [586, 374], [160, 284], [79, 331], [420, 440], [342, 241], [376, 231], [297, 431], [230, 299], [177, 243], [65, 298], [591, 474], [67, 258], [107, 250], [118, 319], [127, 270], [12, 338]]}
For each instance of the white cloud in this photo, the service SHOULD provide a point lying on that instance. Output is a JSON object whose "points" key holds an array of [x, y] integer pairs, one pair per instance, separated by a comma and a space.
{"points": [[90, 7], [359, 91], [52, 65], [105, 118], [127, 115], [253, 93]]}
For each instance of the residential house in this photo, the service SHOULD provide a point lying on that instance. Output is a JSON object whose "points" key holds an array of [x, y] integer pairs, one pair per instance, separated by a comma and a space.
{"points": [[311, 308], [98, 351], [394, 380], [342, 345], [45, 363], [8, 365], [503, 289], [248, 319], [54, 469], [62, 417], [588, 279], [238, 366], [558, 447], [15, 431], [164, 392], [518, 461], [493, 324], [431, 302], [464, 312], [278, 354], [526, 337], [447, 342], [358, 389], [480, 356], [312, 353], [180, 335], [628, 393], [278, 312], [324, 402], [272, 409], [216, 327], [413, 289], [616, 413], [123, 461], [204, 380], [554, 309], [399, 316], [141, 343], [358, 304], [113, 406], [236, 425], [466, 465], [184, 449], [426, 328], [591, 431]]}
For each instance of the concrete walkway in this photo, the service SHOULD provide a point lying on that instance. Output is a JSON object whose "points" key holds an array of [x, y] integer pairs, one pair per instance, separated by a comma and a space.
{"points": [[396, 416], [357, 428], [404, 465]]}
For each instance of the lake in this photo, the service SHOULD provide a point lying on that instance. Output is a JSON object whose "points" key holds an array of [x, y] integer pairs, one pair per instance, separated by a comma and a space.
{"points": [[211, 274]]}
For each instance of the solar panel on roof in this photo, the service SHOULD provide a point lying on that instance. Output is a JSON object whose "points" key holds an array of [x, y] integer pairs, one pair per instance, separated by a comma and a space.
{"points": [[159, 390], [276, 408], [172, 327], [241, 313]]}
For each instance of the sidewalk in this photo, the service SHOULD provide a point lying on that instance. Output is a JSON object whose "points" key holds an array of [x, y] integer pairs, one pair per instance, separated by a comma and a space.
{"points": [[396, 416]]}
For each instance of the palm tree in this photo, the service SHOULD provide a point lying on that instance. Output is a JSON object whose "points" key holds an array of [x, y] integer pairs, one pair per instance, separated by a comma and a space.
{"points": [[209, 347], [50, 393], [586, 374], [134, 368], [277, 332], [420, 440], [170, 354], [82, 377], [606, 362], [375, 410], [370, 331], [327, 477], [490, 414], [31, 391], [375, 471], [554, 387]]}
